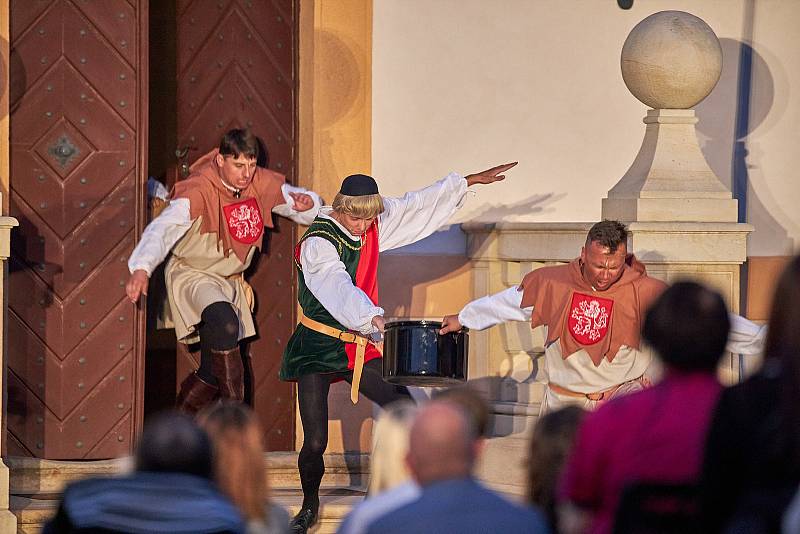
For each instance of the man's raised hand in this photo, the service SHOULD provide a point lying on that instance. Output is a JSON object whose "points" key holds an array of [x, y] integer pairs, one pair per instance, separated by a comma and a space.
{"points": [[495, 174], [302, 201]]}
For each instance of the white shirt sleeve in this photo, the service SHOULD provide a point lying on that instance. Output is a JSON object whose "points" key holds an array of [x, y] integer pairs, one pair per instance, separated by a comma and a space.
{"points": [[287, 209], [418, 214], [326, 278], [495, 309], [745, 337], [160, 235]]}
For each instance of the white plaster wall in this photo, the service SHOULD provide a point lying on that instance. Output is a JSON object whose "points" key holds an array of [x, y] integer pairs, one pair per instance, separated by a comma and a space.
{"points": [[463, 84]]}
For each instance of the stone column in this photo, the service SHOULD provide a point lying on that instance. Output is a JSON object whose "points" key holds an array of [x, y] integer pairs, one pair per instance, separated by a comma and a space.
{"points": [[8, 521]]}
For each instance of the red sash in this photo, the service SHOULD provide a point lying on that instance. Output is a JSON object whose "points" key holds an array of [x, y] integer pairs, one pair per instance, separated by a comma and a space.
{"points": [[367, 281]]}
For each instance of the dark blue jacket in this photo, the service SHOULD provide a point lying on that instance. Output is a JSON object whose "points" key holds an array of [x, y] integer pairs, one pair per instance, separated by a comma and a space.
{"points": [[144, 503], [460, 506]]}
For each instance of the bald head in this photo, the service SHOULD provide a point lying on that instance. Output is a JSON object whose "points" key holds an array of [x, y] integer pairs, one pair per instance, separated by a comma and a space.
{"points": [[442, 443]]}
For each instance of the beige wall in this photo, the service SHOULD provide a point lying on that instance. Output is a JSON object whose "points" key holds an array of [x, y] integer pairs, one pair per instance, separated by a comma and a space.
{"points": [[462, 84], [412, 89], [335, 92]]}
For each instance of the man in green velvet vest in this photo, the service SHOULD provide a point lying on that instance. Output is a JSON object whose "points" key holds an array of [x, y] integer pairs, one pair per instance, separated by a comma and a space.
{"points": [[341, 322]]}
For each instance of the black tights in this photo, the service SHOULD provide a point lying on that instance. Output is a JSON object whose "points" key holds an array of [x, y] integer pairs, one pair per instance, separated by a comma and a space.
{"points": [[312, 399], [219, 330]]}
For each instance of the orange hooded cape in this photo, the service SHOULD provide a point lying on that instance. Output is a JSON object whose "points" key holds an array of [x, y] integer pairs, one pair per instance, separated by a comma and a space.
{"points": [[208, 196], [553, 293]]}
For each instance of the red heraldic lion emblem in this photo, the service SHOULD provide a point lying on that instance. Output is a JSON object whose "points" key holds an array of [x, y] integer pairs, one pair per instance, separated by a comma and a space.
{"points": [[589, 318], [244, 220]]}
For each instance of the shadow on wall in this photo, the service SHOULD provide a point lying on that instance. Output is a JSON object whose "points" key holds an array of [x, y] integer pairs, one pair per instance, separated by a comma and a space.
{"points": [[740, 102], [519, 210], [341, 78], [440, 260]]}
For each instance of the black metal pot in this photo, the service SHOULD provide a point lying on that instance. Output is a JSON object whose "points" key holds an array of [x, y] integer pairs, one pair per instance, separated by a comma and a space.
{"points": [[414, 354]]}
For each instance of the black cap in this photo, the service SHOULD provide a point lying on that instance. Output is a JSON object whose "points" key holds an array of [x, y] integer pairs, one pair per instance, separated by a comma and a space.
{"points": [[358, 185]]}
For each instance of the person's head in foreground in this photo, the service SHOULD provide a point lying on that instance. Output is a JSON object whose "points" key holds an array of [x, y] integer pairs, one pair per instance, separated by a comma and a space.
{"points": [[688, 327], [472, 402], [443, 444], [390, 438], [239, 467], [173, 443], [550, 445]]}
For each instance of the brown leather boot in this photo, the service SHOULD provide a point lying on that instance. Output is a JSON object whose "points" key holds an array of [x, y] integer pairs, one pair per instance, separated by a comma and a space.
{"points": [[229, 371], [195, 394], [249, 379]]}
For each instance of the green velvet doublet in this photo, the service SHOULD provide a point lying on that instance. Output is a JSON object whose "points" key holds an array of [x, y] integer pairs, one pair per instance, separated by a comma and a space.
{"points": [[308, 351]]}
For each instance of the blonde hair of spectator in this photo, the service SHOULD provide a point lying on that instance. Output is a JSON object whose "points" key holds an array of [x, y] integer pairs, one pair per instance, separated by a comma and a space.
{"points": [[363, 207], [239, 467], [390, 446]]}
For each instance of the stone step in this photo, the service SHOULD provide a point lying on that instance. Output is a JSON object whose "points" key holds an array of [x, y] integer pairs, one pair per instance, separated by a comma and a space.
{"points": [[34, 476], [335, 503]]}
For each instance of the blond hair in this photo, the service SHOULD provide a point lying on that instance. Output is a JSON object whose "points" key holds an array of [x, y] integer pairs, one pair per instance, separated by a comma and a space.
{"points": [[389, 447], [363, 206], [239, 467]]}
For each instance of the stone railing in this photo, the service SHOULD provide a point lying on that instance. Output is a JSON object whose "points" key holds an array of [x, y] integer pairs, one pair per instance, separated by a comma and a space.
{"points": [[506, 361]]}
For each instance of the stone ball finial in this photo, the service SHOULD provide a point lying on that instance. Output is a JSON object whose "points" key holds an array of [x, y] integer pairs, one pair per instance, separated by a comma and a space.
{"points": [[671, 60]]}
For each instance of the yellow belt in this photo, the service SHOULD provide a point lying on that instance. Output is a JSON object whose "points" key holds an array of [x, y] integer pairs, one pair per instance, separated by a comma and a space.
{"points": [[348, 337]]}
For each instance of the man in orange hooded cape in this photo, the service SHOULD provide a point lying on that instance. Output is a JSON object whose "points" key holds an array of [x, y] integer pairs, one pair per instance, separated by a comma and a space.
{"points": [[211, 229], [592, 309]]}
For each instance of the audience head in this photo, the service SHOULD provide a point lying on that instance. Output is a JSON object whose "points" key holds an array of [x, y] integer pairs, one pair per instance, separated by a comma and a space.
{"points": [[443, 443], [782, 353], [688, 327], [550, 445], [472, 402], [173, 443], [390, 439], [783, 334], [239, 467]]}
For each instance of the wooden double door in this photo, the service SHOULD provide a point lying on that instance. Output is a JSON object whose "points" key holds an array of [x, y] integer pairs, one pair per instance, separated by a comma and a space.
{"points": [[94, 112]]}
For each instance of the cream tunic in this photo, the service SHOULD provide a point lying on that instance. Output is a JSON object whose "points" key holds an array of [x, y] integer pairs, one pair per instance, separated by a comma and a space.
{"points": [[198, 272], [577, 372]]}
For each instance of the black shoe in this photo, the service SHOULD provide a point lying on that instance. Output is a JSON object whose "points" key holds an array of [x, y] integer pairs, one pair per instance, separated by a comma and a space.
{"points": [[304, 520]]}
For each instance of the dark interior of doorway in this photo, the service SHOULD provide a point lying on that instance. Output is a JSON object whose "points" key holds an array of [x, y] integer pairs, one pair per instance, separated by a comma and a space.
{"points": [[160, 356]]}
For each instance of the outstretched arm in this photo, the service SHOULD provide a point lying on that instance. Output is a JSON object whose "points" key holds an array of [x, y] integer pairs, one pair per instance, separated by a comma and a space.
{"points": [[745, 337], [157, 240], [301, 205], [418, 214], [326, 278], [489, 311]]}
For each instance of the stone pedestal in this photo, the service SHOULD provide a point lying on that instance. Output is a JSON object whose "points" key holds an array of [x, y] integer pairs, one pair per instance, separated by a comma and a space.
{"points": [[670, 179], [505, 361], [8, 522]]}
